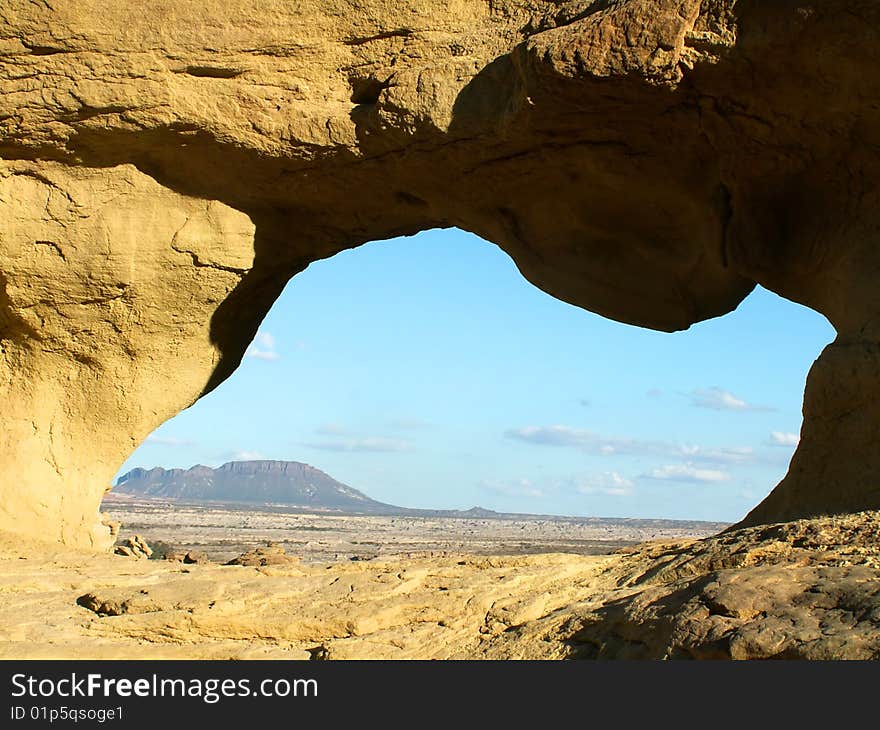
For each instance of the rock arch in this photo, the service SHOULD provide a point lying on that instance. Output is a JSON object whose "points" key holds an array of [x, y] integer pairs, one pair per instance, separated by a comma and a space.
{"points": [[164, 173]]}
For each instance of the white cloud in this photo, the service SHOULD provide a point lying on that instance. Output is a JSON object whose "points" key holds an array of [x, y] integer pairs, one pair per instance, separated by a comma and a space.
{"points": [[263, 347], [687, 473], [719, 399], [237, 455], [783, 438], [609, 483], [513, 488], [258, 354], [579, 438], [265, 339], [345, 440], [167, 440], [245, 455], [583, 440], [724, 455], [376, 444], [552, 435]]}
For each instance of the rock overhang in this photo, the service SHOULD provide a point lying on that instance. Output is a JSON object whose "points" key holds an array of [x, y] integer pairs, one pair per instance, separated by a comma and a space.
{"points": [[650, 160]]}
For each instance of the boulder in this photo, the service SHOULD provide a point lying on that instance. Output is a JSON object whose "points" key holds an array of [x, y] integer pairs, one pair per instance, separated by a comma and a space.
{"points": [[270, 554], [134, 547]]}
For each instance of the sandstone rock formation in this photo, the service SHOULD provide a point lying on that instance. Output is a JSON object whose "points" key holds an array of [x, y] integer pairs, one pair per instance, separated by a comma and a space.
{"points": [[134, 547], [805, 589], [164, 170]]}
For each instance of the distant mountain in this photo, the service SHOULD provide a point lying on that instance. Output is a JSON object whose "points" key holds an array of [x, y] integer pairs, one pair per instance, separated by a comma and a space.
{"points": [[251, 482], [297, 486]]}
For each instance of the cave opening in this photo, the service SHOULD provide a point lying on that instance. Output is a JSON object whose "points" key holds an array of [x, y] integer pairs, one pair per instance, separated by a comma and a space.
{"points": [[427, 373]]}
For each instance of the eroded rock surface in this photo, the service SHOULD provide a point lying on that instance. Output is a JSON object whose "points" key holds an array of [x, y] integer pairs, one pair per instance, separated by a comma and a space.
{"points": [[805, 589], [802, 590], [166, 170], [108, 282]]}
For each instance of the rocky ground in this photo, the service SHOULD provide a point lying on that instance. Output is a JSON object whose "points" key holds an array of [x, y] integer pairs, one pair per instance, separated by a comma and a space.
{"points": [[804, 589]]}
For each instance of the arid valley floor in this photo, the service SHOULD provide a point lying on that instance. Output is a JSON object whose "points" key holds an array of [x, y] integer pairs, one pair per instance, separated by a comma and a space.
{"points": [[802, 589], [223, 531]]}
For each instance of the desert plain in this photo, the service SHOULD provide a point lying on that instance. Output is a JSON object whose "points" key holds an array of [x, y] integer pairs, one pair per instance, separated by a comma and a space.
{"points": [[223, 531]]}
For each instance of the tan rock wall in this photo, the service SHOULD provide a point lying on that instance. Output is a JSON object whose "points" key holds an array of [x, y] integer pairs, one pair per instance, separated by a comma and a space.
{"points": [[108, 283], [168, 167]]}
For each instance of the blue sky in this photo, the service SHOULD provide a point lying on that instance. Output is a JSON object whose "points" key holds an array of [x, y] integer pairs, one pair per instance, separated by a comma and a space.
{"points": [[427, 372]]}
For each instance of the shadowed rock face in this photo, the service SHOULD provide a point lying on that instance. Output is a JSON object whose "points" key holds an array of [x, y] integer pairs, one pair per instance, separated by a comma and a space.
{"points": [[164, 172]]}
